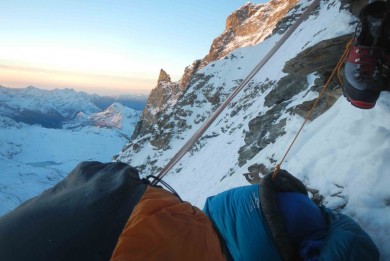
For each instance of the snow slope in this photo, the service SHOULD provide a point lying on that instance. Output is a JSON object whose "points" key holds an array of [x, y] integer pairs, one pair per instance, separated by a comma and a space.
{"points": [[33, 158]]}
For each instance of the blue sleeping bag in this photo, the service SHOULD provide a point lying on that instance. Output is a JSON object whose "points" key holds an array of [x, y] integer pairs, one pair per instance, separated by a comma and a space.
{"points": [[239, 219], [237, 216], [346, 240]]}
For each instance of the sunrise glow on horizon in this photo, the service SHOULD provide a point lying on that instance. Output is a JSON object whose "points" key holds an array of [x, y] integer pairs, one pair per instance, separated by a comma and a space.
{"points": [[105, 47]]}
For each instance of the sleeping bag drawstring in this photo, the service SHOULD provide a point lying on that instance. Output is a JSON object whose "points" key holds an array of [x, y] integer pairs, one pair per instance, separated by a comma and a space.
{"points": [[156, 180]]}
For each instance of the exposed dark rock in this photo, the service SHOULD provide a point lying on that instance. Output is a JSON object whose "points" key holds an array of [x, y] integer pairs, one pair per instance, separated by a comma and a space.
{"points": [[161, 141], [283, 25], [285, 89], [200, 81], [188, 74], [316, 196], [258, 169], [263, 130], [255, 171], [320, 57], [189, 99], [137, 129], [251, 91], [327, 101], [214, 99]]}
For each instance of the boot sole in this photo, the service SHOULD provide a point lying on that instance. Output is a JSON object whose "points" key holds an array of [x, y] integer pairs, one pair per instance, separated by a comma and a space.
{"points": [[362, 99]]}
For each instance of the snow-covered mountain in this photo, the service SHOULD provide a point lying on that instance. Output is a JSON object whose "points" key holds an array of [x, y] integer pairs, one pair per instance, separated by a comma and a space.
{"points": [[116, 117], [343, 152], [52, 108], [44, 134]]}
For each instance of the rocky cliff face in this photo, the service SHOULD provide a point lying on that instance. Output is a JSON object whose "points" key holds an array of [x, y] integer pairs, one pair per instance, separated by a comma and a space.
{"points": [[162, 97], [248, 26]]}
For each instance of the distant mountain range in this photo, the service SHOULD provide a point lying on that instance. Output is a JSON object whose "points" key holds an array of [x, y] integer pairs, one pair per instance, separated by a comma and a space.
{"points": [[53, 108]]}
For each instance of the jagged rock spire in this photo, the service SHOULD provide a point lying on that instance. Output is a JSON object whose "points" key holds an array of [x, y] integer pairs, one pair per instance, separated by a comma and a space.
{"points": [[163, 77]]}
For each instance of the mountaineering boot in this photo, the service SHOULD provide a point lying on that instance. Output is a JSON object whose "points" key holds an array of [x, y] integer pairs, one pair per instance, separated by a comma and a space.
{"points": [[384, 40], [364, 81]]}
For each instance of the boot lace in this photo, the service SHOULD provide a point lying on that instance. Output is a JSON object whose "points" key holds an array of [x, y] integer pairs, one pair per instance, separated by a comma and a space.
{"points": [[367, 61]]}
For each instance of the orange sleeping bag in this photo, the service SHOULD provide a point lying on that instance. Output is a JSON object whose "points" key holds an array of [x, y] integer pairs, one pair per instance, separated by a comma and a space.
{"points": [[162, 227]]}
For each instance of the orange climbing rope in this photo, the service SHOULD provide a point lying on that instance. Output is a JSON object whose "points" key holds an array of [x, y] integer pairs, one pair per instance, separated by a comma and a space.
{"points": [[337, 70], [343, 58]]}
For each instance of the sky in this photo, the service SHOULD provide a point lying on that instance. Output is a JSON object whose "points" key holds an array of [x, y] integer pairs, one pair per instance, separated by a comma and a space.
{"points": [[106, 47]]}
